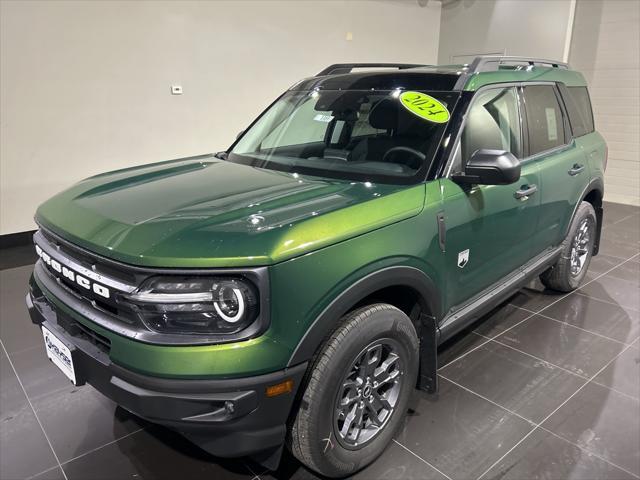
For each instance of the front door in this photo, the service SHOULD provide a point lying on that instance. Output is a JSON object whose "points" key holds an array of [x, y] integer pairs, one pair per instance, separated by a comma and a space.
{"points": [[488, 227]]}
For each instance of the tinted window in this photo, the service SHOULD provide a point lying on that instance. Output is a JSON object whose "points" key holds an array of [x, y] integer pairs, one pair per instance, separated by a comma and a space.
{"points": [[579, 108], [544, 118], [492, 122]]}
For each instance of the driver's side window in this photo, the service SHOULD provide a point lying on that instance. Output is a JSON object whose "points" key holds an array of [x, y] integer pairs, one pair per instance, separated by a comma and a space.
{"points": [[493, 122]]}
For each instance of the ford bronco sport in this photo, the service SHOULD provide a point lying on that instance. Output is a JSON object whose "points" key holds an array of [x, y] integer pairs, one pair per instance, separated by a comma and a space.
{"points": [[293, 289]]}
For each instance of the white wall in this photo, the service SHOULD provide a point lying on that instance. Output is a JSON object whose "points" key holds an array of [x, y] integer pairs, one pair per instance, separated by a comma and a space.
{"points": [[535, 28], [605, 46], [84, 86]]}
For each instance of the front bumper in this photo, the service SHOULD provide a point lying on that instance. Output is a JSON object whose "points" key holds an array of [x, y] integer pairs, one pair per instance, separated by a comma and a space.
{"points": [[227, 418]]}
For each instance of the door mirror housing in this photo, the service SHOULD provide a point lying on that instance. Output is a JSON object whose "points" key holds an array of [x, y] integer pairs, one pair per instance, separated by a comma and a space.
{"points": [[490, 167]]}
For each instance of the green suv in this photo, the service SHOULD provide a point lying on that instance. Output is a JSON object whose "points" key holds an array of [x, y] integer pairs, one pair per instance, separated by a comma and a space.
{"points": [[293, 289]]}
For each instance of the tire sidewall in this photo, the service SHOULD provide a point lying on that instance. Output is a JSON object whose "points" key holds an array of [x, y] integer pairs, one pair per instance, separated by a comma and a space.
{"points": [[332, 457], [585, 210]]}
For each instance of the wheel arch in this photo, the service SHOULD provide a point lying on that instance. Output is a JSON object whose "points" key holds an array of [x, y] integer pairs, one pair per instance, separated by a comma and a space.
{"points": [[407, 288], [593, 194]]}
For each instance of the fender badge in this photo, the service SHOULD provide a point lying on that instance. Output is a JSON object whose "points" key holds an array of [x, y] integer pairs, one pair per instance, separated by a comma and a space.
{"points": [[463, 258]]}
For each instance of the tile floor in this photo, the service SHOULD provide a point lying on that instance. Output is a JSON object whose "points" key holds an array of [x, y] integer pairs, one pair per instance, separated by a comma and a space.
{"points": [[546, 386]]}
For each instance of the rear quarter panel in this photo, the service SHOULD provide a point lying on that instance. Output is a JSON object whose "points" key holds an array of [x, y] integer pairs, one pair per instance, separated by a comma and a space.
{"points": [[595, 149]]}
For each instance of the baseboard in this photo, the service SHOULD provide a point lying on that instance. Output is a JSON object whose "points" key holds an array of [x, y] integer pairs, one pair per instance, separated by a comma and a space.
{"points": [[18, 239]]}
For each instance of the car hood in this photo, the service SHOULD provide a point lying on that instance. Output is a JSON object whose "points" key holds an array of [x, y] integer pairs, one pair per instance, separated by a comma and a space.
{"points": [[207, 212]]}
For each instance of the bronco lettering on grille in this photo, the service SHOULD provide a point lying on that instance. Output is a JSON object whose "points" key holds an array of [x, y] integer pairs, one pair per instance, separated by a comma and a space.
{"points": [[71, 275]]}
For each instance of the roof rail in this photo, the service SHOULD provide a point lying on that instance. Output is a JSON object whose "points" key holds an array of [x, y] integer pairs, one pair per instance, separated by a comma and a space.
{"points": [[491, 63], [488, 63], [338, 68]]}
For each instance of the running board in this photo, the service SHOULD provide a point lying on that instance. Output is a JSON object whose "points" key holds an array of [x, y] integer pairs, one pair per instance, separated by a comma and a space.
{"points": [[491, 297]]}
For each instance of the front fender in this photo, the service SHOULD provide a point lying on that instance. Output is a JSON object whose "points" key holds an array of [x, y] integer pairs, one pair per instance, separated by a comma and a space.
{"points": [[327, 321]]}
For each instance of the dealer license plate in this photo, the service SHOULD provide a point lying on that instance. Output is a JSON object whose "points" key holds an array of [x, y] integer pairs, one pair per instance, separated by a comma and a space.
{"points": [[59, 354]]}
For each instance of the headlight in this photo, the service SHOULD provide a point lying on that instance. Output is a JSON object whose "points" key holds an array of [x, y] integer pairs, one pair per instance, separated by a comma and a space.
{"points": [[193, 305]]}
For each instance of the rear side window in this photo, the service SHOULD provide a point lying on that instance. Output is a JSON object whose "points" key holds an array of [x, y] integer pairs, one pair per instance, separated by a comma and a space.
{"points": [[544, 118], [579, 108]]}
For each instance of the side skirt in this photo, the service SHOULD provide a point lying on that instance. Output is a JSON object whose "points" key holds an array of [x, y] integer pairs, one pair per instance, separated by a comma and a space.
{"points": [[491, 297]]}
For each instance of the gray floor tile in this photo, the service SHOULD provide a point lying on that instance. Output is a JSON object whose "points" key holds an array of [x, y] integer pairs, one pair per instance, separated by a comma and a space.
{"points": [[52, 474], [500, 320], [602, 422], [629, 271], [616, 247], [395, 463], [618, 212], [16, 330], [520, 383], [460, 433], [623, 374], [613, 321], [614, 290], [602, 263], [79, 419], [459, 345], [627, 231], [38, 374], [154, 454], [561, 344], [492, 324], [535, 297], [24, 450], [545, 456]]}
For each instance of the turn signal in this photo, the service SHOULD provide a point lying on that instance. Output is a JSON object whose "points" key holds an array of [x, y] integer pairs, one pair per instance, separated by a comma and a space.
{"points": [[280, 388]]}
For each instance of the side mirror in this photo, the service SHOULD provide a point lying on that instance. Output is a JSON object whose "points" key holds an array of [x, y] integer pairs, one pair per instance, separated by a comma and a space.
{"points": [[490, 167], [240, 134]]}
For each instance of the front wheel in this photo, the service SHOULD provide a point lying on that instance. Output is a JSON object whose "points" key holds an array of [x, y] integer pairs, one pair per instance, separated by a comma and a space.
{"points": [[357, 393], [577, 249]]}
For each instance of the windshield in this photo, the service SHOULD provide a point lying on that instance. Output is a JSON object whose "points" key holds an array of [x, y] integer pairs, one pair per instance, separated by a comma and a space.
{"points": [[382, 136]]}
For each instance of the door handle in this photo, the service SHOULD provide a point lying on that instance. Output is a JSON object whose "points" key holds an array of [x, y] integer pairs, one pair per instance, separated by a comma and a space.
{"points": [[576, 169], [525, 192]]}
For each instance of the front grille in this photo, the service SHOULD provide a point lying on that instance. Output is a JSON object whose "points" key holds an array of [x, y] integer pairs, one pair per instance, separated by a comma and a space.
{"points": [[94, 271], [78, 330], [89, 260]]}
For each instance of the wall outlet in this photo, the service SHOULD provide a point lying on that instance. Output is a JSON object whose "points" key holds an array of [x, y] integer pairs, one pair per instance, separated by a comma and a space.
{"points": [[176, 89], [349, 36]]}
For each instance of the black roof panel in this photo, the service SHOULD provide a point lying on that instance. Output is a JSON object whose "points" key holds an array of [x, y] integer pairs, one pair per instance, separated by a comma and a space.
{"points": [[410, 79]]}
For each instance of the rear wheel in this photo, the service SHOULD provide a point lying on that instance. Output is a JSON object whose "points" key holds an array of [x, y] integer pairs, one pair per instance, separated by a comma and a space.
{"points": [[357, 393], [577, 249]]}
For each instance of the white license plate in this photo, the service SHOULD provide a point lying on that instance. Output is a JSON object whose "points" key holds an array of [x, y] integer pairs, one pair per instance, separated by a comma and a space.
{"points": [[59, 354]]}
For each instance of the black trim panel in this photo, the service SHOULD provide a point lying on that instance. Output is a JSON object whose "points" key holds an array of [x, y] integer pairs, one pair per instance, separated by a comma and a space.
{"points": [[18, 239], [595, 183]]}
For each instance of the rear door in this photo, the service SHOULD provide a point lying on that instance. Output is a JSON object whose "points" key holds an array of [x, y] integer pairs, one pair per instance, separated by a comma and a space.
{"points": [[578, 106], [562, 164], [488, 229]]}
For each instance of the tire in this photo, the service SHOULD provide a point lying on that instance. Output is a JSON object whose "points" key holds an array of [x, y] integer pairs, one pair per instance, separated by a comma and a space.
{"points": [[563, 276], [315, 436]]}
